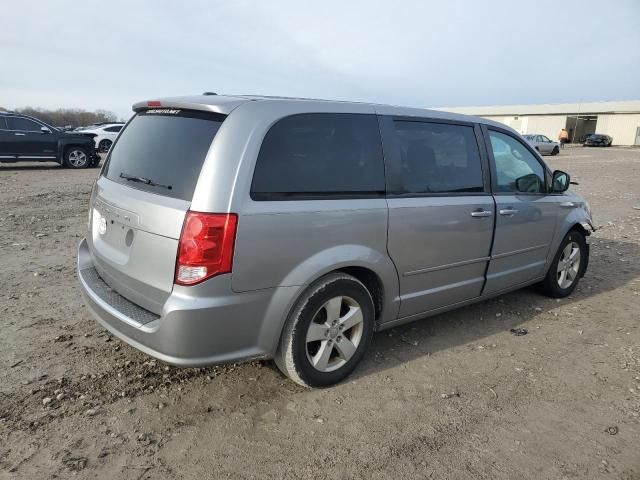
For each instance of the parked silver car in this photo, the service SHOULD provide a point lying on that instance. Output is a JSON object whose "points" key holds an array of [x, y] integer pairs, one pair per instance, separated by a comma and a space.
{"points": [[230, 228], [542, 144]]}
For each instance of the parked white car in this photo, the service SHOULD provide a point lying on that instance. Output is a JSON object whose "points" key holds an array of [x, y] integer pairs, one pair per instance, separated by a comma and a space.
{"points": [[103, 135]]}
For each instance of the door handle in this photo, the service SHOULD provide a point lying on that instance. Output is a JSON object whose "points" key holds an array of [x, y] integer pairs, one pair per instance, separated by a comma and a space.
{"points": [[568, 205], [508, 212], [481, 213], [19, 134]]}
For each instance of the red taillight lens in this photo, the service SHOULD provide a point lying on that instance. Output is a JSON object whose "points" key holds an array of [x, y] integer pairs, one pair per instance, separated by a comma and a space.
{"points": [[154, 103], [206, 246]]}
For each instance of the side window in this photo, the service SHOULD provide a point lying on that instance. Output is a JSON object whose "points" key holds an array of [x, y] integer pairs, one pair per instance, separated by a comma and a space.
{"points": [[23, 124], [545, 139], [3, 124], [438, 157], [319, 154], [517, 170], [113, 129]]}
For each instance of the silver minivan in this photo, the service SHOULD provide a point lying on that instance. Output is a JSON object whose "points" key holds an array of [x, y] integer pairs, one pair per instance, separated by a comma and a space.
{"points": [[227, 228]]}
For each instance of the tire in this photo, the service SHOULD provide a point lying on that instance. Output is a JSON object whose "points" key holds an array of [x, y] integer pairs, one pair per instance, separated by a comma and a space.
{"points": [[558, 284], [332, 353], [76, 157], [104, 145], [555, 151]]}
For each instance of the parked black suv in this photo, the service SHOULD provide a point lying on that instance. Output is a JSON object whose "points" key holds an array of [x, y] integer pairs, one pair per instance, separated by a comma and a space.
{"points": [[24, 138]]}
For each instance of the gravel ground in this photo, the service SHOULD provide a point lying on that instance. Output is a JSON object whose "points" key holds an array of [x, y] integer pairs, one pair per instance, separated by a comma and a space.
{"points": [[453, 396]]}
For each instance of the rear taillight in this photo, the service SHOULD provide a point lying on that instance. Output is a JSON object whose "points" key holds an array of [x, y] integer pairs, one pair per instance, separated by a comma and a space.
{"points": [[206, 246]]}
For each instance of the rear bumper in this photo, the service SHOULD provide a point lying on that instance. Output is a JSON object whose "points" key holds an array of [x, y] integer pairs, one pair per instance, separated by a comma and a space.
{"points": [[201, 325]]}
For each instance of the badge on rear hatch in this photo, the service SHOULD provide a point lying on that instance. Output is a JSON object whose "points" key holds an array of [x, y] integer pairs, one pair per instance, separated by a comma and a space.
{"points": [[163, 111]]}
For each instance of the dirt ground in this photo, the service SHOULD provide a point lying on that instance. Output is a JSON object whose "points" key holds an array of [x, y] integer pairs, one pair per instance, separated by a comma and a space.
{"points": [[453, 396]]}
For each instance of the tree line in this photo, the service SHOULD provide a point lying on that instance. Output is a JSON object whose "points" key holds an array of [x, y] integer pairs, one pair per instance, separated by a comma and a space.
{"points": [[68, 116]]}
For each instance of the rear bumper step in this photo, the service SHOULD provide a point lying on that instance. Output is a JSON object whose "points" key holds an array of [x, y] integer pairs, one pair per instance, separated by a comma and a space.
{"points": [[193, 330], [129, 311]]}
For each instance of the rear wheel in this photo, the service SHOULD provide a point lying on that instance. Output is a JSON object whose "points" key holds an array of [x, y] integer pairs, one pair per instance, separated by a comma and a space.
{"points": [[328, 332], [567, 267], [76, 157], [104, 145]]}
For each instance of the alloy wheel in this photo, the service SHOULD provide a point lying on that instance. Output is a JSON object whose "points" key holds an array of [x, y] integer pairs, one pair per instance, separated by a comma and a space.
{"points": [[334, 334], [104, 145], [568, 265], [77, 158]]}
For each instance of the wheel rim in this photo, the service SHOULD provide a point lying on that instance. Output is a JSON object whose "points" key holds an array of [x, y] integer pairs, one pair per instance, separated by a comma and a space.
{"points": [[334, 334], [77, 158], [105, 145], [568, 265]]}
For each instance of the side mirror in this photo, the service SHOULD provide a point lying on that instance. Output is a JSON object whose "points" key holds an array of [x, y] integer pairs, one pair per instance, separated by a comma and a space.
{"points": [[529, 183], [560, 182], [45, 130]]}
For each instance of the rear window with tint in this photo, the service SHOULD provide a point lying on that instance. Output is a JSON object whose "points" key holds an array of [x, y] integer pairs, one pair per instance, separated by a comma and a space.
{"points": [[320, 155], [438, 158], [162, 151]]}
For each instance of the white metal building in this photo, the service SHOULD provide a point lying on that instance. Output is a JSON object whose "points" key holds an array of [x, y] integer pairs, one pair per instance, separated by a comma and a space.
{"points": [[620, 120]]}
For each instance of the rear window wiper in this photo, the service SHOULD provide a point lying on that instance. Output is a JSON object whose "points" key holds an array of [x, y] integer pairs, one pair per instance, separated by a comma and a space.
{"points": [[146, 181]]}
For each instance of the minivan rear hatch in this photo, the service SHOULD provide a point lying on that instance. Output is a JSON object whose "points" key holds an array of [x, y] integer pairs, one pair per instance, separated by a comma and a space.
{"points": [[140, 201]]}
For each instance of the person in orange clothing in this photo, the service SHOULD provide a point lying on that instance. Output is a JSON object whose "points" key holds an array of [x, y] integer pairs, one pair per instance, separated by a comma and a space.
{"points": [[563, 137]]}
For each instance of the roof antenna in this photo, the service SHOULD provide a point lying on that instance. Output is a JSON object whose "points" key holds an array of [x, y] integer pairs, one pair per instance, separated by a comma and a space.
{"points": [[209, 93]]}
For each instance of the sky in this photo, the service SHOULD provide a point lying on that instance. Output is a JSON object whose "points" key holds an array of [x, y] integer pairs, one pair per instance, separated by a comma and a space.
{"points": [[110, 54]]}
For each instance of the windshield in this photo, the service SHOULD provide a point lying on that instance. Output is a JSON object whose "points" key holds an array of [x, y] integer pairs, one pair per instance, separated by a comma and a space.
{"points": [[162, 151]]}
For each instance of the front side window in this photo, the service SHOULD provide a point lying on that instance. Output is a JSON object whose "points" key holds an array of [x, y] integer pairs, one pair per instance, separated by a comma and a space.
{"points": [[517, 170], [23, 124], [545, 139], [320, 154], [3, 124], [438, 157], [113, 129]]}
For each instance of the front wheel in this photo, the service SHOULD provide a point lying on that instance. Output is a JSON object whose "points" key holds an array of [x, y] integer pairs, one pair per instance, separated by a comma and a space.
{"points": [[76, 157], [328, 332], [568, 266], [104, 145], [555, 151]]}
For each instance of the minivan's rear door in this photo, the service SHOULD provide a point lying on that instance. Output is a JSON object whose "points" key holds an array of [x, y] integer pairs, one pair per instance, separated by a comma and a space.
{"points": [[440, 211], [140, 201]]}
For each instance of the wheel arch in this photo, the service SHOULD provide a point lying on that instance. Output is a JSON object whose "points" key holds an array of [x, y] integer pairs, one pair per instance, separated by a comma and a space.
{"points": [[66, 145], [580, 227], [373, 269], [373, 283]]}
